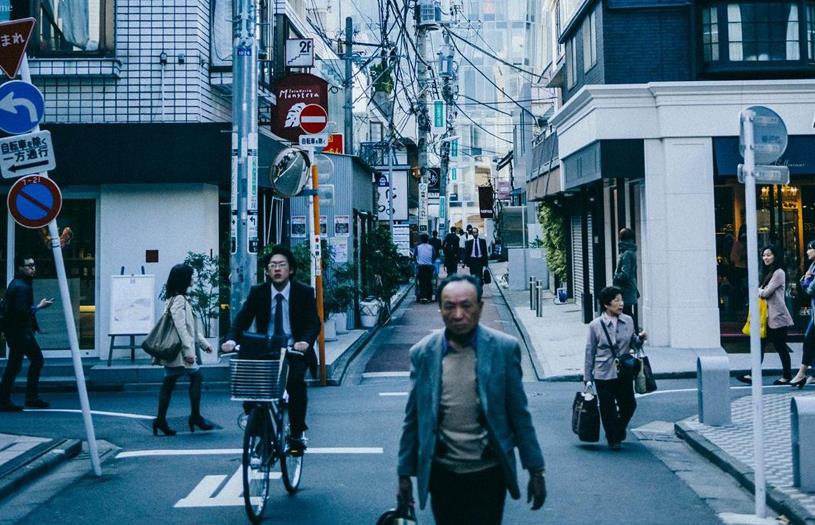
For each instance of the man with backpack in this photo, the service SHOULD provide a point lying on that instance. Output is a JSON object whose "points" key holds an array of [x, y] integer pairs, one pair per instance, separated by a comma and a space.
{"points": [[19, 325]]}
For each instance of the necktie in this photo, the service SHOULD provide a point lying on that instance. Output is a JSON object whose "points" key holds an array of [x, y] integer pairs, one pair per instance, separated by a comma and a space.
{"points": [[475, 248], [278, 316]]}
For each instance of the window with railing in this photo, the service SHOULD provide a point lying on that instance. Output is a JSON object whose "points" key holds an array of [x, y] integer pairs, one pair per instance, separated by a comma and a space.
{"points": [[70, 27]]}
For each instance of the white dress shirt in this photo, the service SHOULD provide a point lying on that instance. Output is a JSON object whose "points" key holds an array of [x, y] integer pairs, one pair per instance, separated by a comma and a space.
{"points": [[285, 304]]}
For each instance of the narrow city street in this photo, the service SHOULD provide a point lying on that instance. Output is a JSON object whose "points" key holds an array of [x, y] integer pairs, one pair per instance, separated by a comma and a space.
{"points": [[350, 469]]}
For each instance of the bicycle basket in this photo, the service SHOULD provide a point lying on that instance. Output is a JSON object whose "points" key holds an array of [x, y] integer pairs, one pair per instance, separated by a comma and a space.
{"points": [[257, 380]]}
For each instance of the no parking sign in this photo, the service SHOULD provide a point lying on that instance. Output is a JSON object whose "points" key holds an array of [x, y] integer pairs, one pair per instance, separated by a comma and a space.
{"points": [[34, 201]]}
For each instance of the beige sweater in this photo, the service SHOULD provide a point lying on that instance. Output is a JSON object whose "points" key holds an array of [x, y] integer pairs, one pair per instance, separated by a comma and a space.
{"points": [[184, 321], [777, 314]]}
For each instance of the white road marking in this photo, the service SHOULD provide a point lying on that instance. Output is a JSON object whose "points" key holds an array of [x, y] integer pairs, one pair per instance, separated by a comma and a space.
{"points": [[369, 375], [237, 451], [679, 390], [393, 394], [206, 493], [93, 412]]}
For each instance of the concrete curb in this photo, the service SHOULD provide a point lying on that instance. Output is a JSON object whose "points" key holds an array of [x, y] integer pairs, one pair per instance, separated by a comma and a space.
{"points": [[36, 462], [340, 365], [537, 366], [777, 500], [684, 374]]}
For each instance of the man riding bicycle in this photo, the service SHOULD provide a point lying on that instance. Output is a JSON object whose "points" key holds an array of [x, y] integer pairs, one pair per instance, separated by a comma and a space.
{"points": [[286, 310]]}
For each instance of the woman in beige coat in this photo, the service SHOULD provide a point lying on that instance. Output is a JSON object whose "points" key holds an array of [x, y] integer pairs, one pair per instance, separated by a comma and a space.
{"points": [[186, 362]]}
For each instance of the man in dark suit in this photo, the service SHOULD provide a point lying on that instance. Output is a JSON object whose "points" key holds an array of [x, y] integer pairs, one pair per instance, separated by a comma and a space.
{"points": [[284, 309], [450, 248], [475, 255]]}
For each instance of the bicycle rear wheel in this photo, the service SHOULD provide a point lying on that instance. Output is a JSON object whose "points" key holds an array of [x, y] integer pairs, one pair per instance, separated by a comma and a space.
{"points": [[291, 467], [257, 463]]}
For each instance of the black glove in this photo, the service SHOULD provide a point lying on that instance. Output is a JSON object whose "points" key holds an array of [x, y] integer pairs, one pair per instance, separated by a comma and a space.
{"points": [[405, 494], [536, 490]]}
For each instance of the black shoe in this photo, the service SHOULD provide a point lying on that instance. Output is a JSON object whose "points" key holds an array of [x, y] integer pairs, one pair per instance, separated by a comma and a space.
{"points": [[8, 406], [615, 446], [297, 445], [36, 403], [163, 426], [745, 378], [800, 383], [781, 381], [200, 422]]}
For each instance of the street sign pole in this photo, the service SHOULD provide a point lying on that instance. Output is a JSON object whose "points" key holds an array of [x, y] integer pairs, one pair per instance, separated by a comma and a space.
{"points": [[316, 259], [755, 336], [70, 325]]}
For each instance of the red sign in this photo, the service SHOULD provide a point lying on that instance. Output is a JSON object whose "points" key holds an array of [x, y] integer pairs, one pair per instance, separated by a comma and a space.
{"points": [[313, 119], [34, 201], [335, 144], [295, 92], [14, 36]]}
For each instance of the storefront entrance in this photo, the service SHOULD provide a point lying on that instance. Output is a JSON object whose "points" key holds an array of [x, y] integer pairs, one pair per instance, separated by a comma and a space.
{"points": [[77, 223]]}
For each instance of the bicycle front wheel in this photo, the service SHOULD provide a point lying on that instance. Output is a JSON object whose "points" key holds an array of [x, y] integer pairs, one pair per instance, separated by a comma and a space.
{"points": [[291, 467], [257, 463]]}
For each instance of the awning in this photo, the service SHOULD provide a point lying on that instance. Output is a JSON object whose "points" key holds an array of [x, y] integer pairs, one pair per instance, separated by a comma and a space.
{"points": [[799, 156], [605, 159], [546, 185]]}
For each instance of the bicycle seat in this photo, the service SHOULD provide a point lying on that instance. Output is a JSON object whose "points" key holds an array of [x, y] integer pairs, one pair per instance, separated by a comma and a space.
{"points": [[260, 346]]}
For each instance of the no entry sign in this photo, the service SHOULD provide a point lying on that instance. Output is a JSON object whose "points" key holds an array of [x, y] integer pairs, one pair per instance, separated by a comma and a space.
{"points": [[34, 201], [313, 119]]}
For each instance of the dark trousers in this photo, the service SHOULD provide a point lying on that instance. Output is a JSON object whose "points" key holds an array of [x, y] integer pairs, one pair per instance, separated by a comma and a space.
{"points": [[633, 311], [477, 271], [465, 499], [809, 345], [27, 347], [298, 398], [451, 265], [617, 406], [778, 338], [425, 275]]}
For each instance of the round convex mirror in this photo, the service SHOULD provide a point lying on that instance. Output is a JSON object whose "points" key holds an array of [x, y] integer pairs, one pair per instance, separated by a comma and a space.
{"points": [[290, 172]]}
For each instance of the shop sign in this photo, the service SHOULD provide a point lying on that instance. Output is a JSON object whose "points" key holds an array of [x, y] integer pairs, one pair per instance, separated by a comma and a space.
{"points": [[293, 93], [485, 201]]}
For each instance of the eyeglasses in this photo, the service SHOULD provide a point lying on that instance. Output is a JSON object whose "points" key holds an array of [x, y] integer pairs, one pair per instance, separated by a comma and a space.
{"points": [[273, 265], [32, 265]]}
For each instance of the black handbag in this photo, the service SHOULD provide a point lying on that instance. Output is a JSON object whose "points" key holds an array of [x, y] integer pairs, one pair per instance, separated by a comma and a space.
{"points": [[486, 277], [163, 341], [402, 515], [648, 375], [586, 416]]}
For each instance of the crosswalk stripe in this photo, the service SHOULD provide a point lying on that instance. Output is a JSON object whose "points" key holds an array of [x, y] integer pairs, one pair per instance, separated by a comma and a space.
{"points": [[369, 375], [233, 451]]}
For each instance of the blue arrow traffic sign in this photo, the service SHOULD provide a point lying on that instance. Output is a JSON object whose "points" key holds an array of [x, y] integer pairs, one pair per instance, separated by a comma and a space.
{"points": [[21, 107]]}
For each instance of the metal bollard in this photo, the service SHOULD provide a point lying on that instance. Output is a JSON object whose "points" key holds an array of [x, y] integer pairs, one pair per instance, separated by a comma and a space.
{"points": [[713, 390], [802, 419], [531, 293], [539, 303]]}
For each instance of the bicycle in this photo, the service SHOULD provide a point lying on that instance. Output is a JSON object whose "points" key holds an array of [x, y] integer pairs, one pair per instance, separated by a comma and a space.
{"points": [[262, 383]]}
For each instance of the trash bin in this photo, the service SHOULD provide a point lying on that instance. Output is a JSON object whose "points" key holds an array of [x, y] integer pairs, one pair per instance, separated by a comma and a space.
{"points": [[369, 313]]}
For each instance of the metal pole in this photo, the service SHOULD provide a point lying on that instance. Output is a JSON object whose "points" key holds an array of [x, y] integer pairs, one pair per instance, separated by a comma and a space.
{"points": [[422, 117], [244, 224], [539, 303], [531, 292], [752, 287], [65, 297], [316, 257], [349, 87], [389, 153], [449, 92]]}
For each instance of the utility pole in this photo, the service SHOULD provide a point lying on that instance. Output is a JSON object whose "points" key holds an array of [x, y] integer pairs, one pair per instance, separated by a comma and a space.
{"points": [[423, 26], [244, 203], [349, 87], [449, 94]]}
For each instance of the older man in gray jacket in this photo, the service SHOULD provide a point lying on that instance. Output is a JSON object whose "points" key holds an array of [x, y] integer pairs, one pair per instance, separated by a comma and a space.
{"points": [[466, 414]]}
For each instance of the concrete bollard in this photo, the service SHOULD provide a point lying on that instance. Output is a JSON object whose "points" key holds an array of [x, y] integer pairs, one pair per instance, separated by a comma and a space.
{"points": [[802, 419], [713, 390], [531, 293], [539, 304]]}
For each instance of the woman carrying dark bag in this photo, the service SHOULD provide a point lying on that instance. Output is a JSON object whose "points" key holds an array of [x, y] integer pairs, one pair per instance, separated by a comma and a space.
{"points": [[611, 366], [186, 361]]}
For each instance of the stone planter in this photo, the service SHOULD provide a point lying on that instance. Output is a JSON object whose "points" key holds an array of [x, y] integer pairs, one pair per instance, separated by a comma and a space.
{"points": [[330, 328], [369, 313], [341, 321]]}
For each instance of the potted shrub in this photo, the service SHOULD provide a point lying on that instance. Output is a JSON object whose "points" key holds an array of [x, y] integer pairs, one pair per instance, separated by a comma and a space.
{"points": [[340, 293], [211, 278], [381, 274]]}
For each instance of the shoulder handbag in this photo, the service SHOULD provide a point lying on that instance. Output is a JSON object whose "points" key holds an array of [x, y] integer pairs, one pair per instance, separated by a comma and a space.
{"points": [[586, 416], [627, 364], [163, 341], [486, 277]]}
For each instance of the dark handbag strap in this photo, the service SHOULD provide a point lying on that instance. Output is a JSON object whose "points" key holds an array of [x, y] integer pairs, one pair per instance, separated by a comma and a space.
{"points": [[608, 337]]}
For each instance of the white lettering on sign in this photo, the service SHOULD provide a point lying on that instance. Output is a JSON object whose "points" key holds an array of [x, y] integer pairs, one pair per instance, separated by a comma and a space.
{"points": [[26, 154], [313, 141], [11, 40]]}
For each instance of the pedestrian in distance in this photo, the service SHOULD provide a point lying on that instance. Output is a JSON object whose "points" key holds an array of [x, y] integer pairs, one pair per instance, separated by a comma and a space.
{"points": [[424, 253], [462, 243], [772, 289], [625, 276], [451, 252], [285, 310], [187, 362], [19, 325], [476, 257], [465, 415], [435, 242], [808, 287], [612, 335]]}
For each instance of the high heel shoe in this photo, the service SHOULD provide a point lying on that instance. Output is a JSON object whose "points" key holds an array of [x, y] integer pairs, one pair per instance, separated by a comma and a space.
{"points": [[800, 383], [200, 422], [162, 425]]}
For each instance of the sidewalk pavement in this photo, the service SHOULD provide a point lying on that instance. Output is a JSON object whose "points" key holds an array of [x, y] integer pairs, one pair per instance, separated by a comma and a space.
{"points": [[25, 458], [731, 448], [557, 341]]}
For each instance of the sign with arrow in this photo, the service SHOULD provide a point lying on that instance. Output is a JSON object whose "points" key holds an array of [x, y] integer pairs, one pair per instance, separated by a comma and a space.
{"points": [[21, 107], [26, 155], [14, 36]]}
